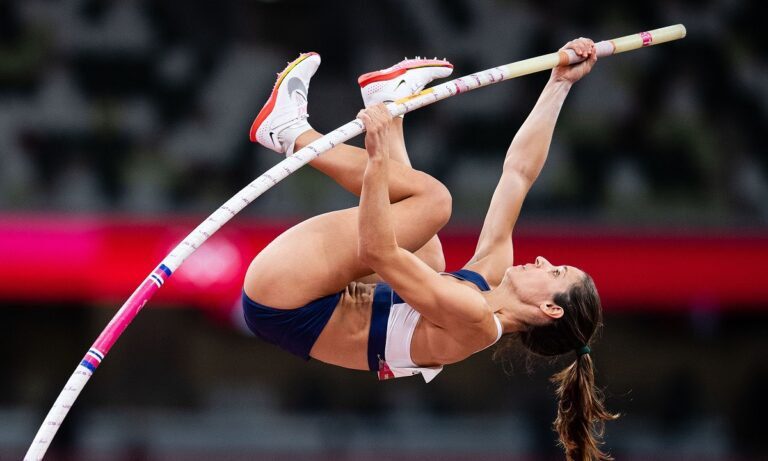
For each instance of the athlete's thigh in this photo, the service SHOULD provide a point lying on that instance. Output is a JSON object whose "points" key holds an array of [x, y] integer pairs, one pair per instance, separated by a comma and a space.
{"points": [[319, 257]]}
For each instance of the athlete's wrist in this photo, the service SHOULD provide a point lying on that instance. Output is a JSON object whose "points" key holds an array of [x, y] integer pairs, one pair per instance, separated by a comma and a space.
{"points": [[377, 157], [561, 83]]}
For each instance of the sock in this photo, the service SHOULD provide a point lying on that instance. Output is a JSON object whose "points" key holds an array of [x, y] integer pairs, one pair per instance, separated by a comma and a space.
{"points": [[288, 135]]}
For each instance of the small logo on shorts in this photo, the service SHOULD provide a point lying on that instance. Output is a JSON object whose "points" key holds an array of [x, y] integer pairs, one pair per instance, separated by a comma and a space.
{"points": [[384, 371]]}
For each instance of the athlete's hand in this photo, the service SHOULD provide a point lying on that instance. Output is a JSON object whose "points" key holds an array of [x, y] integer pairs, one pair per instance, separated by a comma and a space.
{"points": [[583, 47], [378, 127]]}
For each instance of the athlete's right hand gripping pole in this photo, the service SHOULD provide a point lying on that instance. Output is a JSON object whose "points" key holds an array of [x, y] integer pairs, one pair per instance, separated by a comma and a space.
{"points": [[277, 173]]}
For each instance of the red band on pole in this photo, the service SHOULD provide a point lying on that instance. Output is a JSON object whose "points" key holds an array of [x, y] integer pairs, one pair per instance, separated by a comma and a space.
{"points": [[647, 38]]}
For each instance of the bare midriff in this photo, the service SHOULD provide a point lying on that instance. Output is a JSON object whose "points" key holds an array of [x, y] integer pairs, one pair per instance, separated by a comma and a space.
{"points": [[344, 340]]}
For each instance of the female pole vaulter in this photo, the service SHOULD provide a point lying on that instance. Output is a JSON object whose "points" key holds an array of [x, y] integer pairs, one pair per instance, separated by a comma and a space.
{"points": [[363, 288]]}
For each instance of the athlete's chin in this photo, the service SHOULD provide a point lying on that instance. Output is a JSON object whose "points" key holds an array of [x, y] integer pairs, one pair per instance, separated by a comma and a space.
{"points": [[512, 276]]}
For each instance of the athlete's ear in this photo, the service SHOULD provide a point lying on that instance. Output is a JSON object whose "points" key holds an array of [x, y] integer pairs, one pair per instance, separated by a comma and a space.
{"points": [[551, 310]]}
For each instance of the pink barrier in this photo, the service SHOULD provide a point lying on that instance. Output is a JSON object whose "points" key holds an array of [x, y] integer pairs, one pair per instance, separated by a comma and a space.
{"points": [[69, 259]]}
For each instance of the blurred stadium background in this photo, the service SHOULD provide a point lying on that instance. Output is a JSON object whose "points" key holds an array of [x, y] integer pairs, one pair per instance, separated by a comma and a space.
{"points": [[124, 123]]}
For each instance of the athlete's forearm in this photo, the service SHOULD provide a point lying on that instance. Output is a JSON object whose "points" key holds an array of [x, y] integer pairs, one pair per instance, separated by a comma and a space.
{"points": [[528, 150], [376, 231]]}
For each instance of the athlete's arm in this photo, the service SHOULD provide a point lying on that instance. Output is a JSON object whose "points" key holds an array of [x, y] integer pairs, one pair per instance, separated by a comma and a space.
{"points": [[432, 251], [523, 162], [441, 301]]}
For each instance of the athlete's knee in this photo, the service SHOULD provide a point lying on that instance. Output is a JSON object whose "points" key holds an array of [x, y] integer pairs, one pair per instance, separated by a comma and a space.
{"points": [[432, 254], [440, 201]]}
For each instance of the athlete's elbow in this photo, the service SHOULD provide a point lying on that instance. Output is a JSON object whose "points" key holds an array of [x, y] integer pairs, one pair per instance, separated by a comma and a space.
{"points": [[373, 255], [523, 173], [365, 255]]}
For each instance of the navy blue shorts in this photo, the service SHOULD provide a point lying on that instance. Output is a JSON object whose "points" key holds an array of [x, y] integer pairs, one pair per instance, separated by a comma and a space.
{"points": [[294, 330]]}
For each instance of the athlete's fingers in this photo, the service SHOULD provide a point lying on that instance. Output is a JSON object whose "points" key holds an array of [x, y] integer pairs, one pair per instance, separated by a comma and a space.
{"points": [[578, 46], [382, 112], [581, 46], [365, 118], [374, 119]]}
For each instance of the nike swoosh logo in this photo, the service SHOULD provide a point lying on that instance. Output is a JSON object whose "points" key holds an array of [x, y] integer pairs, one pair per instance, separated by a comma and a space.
{"points": [[272, 137], [398, 85], [295, 84]]}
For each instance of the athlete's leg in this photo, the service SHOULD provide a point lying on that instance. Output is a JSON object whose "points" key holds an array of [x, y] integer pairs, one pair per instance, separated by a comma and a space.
{"points": [[405, 78], [319, 256], [282, 126], [401, 80], [345, 164], [432, 252]]}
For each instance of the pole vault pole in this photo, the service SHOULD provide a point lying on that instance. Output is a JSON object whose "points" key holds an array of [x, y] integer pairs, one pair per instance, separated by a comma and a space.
{"points": [[277, 173]]}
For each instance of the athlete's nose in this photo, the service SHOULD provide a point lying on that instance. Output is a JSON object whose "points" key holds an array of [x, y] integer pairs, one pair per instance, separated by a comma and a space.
{"points": [[540, 261]]}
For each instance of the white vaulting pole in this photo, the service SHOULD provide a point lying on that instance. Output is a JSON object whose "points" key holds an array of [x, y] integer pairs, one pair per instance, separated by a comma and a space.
{"points": [[277, 173]]}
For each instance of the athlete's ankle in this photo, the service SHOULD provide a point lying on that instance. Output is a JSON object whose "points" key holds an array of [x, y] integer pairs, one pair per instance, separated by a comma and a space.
{"points": [[306, 138]]}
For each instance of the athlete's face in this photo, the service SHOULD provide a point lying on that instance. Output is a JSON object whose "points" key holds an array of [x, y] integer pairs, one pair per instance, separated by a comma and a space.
{"points": [[538, 283]]}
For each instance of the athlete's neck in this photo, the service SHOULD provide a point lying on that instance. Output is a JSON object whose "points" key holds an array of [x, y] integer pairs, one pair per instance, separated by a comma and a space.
{"points": [[505, 306]]}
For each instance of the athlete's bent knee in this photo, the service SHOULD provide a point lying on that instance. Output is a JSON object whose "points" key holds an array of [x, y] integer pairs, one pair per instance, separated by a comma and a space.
{"points": [[440, 204]]}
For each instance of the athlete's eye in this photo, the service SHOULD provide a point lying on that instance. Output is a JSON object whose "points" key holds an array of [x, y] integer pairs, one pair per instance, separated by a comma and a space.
{"points": [[556, 272]]}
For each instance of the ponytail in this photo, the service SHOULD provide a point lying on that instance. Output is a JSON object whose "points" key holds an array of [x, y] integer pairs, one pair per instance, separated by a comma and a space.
{"points": [[581, 414]]}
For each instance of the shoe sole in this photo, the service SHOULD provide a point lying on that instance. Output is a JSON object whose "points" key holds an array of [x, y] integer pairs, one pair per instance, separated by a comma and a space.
{"points": [[270, 104], [381, 75]]}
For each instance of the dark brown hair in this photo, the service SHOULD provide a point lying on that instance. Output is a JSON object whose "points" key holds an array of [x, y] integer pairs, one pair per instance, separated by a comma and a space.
{"points": [[581, 414]]}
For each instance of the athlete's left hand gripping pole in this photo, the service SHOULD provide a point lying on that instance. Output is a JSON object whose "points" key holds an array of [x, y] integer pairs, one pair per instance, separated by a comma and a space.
{"points": [[277, 173]]}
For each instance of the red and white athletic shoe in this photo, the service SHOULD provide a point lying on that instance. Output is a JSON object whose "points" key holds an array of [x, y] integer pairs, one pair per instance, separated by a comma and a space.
{"points": [[405, 78], [284, 117]]}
